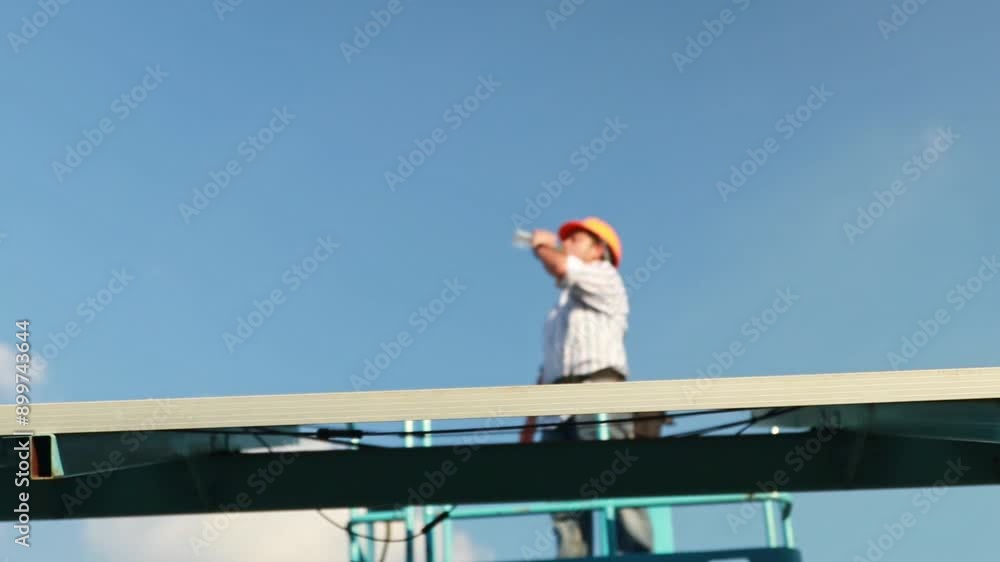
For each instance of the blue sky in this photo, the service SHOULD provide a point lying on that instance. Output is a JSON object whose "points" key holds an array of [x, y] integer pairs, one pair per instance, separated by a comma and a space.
{"points": [[197, 85]]}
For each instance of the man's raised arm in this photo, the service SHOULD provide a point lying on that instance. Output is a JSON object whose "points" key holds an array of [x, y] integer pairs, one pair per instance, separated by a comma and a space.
{"points": [[546, 246]]}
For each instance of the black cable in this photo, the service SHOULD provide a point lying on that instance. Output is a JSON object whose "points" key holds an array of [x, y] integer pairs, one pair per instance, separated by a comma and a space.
{"points": [[388, 535], [517, 427], [754, 419], [426, 528], [423, 531], [264, 443], [326, 434], [748, 425], [315, 435], [772, 413]]}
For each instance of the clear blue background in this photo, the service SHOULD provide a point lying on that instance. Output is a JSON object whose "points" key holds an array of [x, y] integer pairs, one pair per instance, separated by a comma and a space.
{"points": [[324, 175]]}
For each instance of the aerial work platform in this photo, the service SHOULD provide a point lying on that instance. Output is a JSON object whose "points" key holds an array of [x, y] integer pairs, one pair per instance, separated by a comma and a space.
{"points": [[827, 432]]}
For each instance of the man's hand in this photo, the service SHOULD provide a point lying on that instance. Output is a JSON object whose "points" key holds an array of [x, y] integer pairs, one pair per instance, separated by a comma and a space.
{"points": [[544, 238], [546, 246]]}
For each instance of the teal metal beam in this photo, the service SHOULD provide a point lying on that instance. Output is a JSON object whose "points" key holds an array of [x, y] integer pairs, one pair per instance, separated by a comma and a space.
{"points": [[770, 516], [662, 519], [513, 510], [659, 508], [355, 549], [607, 528], [410, 519], [739, 555], [392, 477], [429, 512]]}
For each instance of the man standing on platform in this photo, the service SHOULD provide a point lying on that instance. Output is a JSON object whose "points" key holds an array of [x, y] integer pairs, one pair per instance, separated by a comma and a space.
{"points": [[584, 342]]}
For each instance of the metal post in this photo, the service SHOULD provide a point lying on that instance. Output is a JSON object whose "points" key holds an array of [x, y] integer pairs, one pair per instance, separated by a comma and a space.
{"points": [[355, 544], [607, 523], [772, 530], [356, 555], [408, 428], [428, 510], [446, 538], [662, 518], [372, 556], [519, 509], [789, 534]]}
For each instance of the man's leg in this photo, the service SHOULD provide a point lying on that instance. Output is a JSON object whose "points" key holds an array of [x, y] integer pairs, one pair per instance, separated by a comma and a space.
{"points": [[635, 530], [573, 532], [573, 529]]}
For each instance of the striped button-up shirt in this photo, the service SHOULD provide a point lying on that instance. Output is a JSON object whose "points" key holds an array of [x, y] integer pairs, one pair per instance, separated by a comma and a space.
{"points": [[585, 331]]}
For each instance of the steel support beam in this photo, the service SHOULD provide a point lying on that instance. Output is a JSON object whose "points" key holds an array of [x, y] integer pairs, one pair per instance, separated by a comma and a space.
{"points": [[391, 477]]}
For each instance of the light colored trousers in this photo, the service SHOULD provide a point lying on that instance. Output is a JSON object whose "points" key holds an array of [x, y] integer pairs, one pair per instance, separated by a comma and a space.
{"points": [[574, 530]]}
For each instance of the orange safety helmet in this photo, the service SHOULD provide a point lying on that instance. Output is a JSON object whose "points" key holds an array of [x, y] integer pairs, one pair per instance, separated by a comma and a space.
{"points": [[598, 228]]}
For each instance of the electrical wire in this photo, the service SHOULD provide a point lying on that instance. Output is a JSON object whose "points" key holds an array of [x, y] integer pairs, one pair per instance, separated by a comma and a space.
{"points": [[388, 535], [331, 434], [753, 419], [423, 531], [318, 435], [357, 433], [426, 528], [748, 425], [518, 427]]}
